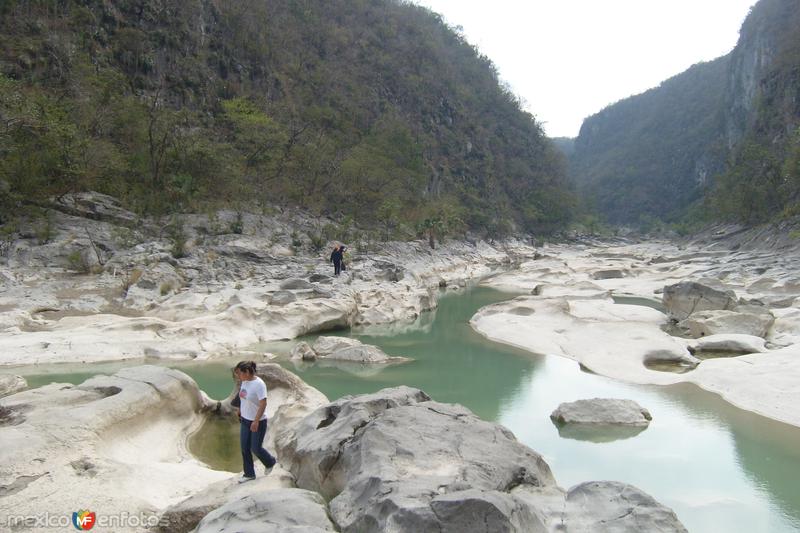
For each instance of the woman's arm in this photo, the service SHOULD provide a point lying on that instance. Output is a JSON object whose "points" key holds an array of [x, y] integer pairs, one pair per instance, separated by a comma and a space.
{"points": [[262, 406]]}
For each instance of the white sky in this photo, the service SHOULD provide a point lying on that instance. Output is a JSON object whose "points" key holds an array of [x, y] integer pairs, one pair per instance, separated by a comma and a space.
{"points": [[568, 59]]}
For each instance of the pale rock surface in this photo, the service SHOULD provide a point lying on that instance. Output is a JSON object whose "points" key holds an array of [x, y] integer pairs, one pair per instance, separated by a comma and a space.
{"points": [[687, 297], [785, 331], [184, 516], [274, 511], [230, 291], [365, 353], [765, 383], [706, 323], [611, 339], [326, 345], [303, 351], [115, 443], [397, 461], [11, 384], [602, 411], [729, 342], [602, 506]]}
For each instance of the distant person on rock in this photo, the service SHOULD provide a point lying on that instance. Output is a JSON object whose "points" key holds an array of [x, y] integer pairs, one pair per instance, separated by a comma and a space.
{"points": [[336, 259], [253, 416]]}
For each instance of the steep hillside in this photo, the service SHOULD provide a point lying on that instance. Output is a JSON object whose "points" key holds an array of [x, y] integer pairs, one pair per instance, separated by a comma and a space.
{"points": [[762, 180], [369, 108], [721, 138], [652, 154]]}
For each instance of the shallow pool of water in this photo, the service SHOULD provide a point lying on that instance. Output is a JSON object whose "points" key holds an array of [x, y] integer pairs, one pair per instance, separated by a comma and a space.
{"points": [[720, 468]]}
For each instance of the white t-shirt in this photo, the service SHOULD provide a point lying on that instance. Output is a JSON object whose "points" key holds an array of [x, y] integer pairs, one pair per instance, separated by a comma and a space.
{"points": [[250, 394]]}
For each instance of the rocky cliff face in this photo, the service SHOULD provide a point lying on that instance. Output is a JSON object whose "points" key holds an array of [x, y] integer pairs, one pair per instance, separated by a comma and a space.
{"points": [[654, 154]]}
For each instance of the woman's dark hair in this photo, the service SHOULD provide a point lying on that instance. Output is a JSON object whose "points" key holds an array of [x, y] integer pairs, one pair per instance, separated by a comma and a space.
{"points": [[246, 366]]}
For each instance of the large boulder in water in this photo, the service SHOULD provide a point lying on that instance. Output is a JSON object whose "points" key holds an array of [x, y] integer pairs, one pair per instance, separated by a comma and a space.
{"points": [[325, 345], [602, 411], [687, 297]]}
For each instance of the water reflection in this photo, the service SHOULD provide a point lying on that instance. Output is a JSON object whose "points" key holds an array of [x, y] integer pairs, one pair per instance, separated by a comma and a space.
{"points": [[598, 433]]}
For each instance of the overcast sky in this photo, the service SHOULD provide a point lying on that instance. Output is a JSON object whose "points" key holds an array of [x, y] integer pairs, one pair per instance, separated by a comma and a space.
{"points": [[568, 59]]}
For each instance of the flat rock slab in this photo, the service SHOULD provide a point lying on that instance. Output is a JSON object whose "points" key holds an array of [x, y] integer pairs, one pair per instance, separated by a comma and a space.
{"points": [[602, 411]]}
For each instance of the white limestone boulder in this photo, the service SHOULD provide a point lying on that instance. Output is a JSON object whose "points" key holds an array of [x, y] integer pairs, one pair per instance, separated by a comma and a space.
{"points": [[729, 343], [326, 345], [706, 323], [303, 351], [785, 331], [687, 297], [602, 412], [364, 353], [11, 384]]}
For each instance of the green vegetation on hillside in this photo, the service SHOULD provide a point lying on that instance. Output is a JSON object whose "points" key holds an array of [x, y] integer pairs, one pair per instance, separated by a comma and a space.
{"points": [[373, 109], [652, 155], [762, 180], [719, 141]]}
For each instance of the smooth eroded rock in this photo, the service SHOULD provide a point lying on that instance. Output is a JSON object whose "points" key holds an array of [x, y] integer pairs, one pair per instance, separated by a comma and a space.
{"points": [[274, 511], [730, 342], [687, 297], [727, 322], [10, 384], [327, 345], [396, 461], [295, 284], [602, 411], [282, 298]]}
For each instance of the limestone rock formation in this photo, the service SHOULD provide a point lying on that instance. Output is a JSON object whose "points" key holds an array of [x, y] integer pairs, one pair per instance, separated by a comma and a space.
{"points": [[682, 299], [275, 511], [397, 461], [719, 322], [10, 384], [602, 411], [730, 343], [384, 458], [120, 439]]}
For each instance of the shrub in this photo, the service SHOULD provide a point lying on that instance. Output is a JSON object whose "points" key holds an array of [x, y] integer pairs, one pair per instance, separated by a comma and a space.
{"points": [[237, 226], [77, 262]]}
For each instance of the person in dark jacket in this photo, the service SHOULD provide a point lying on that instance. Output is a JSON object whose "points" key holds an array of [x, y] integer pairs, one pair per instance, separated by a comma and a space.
{"points": [[336, 259]]}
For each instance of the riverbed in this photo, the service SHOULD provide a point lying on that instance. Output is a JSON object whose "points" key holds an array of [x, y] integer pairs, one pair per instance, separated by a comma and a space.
{"points": [[720, 468]]}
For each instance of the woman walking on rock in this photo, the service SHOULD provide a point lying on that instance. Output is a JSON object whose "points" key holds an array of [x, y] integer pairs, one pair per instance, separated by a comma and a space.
{"points": [[253, 416]]}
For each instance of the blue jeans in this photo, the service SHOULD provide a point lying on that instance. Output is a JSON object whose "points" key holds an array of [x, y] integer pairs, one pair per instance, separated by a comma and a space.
{"points": [[252, 444]]}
